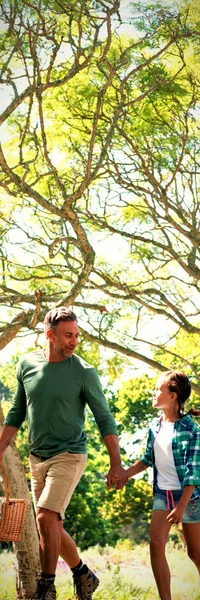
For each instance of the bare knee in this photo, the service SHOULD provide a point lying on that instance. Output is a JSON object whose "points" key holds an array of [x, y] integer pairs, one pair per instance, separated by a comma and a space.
{"points": [[42, 521], [45, 520], [157, 546]]}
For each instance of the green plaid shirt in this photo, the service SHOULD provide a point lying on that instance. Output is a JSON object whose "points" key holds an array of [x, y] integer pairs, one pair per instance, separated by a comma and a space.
{"points": [[185, 448]]}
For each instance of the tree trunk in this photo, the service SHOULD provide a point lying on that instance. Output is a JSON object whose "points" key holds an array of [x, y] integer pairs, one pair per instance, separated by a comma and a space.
{"points": [[27, 550]]}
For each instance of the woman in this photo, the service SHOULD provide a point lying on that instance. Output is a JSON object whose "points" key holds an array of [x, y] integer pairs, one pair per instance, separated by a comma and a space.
{"points": [[173, 449]]}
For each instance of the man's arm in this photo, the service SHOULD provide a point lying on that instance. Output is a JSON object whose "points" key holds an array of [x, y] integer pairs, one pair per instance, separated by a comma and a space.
{"points": [[6, 436], [116, 475], [15, 416], [17, 412], [99, 406], [95, 398]]}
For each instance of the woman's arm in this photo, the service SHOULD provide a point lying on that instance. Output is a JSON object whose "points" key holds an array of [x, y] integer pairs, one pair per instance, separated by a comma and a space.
{"points": [[136, 468]]}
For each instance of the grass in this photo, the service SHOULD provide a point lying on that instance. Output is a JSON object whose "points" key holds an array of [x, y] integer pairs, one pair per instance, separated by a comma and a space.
{"points": [[124, 573]]}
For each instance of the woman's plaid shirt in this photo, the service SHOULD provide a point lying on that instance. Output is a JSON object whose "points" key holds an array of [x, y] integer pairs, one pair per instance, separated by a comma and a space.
{"points": [[185, 448]]}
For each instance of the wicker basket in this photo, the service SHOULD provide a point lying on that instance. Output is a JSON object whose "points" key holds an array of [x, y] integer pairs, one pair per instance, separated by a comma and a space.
{"points": [[12, 514]]}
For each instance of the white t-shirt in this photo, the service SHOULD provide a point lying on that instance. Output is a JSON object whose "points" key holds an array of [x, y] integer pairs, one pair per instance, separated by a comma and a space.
{"points": [[167, 478]]}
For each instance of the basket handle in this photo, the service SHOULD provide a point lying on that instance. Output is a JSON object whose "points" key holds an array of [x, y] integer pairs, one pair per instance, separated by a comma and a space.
{"points": [[6, 481]]}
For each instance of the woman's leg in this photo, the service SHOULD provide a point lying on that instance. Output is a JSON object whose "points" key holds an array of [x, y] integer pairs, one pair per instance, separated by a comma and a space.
{"points": [[159, 531], [192, 537]]}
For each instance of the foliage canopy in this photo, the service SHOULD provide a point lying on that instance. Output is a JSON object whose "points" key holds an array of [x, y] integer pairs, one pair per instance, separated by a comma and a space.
{"points": [[100, 171]]}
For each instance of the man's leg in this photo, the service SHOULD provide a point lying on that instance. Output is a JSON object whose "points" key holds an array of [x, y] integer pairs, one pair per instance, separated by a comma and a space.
{"points": [[85, 582], [49, 542], [61, 472], [192, 537], [68, 549], [55, 542], [159, 531], [50, 538]]}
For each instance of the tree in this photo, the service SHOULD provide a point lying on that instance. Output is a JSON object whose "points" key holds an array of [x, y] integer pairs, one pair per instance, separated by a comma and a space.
{"points": [[27, 549], [101, 144], [101, 139]]}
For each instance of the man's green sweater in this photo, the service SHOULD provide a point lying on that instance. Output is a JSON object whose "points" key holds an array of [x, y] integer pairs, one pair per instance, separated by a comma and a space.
{"points": [[53, 396]]}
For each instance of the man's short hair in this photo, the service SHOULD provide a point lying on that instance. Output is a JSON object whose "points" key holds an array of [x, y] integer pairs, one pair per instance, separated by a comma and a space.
{"points": [[55, 315]]}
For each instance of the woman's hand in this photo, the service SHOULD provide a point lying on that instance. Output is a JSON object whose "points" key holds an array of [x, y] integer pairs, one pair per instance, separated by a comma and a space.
{"points": [[176, 514]]}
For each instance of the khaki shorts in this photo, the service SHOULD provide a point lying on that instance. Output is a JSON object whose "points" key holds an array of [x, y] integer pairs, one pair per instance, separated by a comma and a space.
{"points": [[54, 480]]}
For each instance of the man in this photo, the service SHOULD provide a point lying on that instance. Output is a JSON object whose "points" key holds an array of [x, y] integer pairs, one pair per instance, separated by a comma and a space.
{"points": [[53, 389]]}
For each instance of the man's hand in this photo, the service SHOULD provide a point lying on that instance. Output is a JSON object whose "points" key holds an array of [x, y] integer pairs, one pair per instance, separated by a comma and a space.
{"points": [[117, 477]]}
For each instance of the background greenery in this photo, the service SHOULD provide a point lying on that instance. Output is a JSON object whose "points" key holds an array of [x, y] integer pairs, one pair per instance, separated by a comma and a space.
{"points": [[99, 183], [124, 573], [99, 192]]}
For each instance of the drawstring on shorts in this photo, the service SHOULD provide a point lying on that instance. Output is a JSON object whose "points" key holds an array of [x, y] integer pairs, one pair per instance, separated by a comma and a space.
{"points": [[170, 500]]}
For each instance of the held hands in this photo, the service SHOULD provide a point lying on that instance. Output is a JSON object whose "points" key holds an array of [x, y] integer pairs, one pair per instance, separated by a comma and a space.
{"points": [[117, 477]]}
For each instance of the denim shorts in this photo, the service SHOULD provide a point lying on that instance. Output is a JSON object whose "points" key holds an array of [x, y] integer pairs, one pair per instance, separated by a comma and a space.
{"points": [[167, 500]]}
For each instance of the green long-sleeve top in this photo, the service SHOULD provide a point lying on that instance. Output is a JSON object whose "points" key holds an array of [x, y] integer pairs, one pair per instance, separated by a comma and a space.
{"points": [[53, 396]]}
